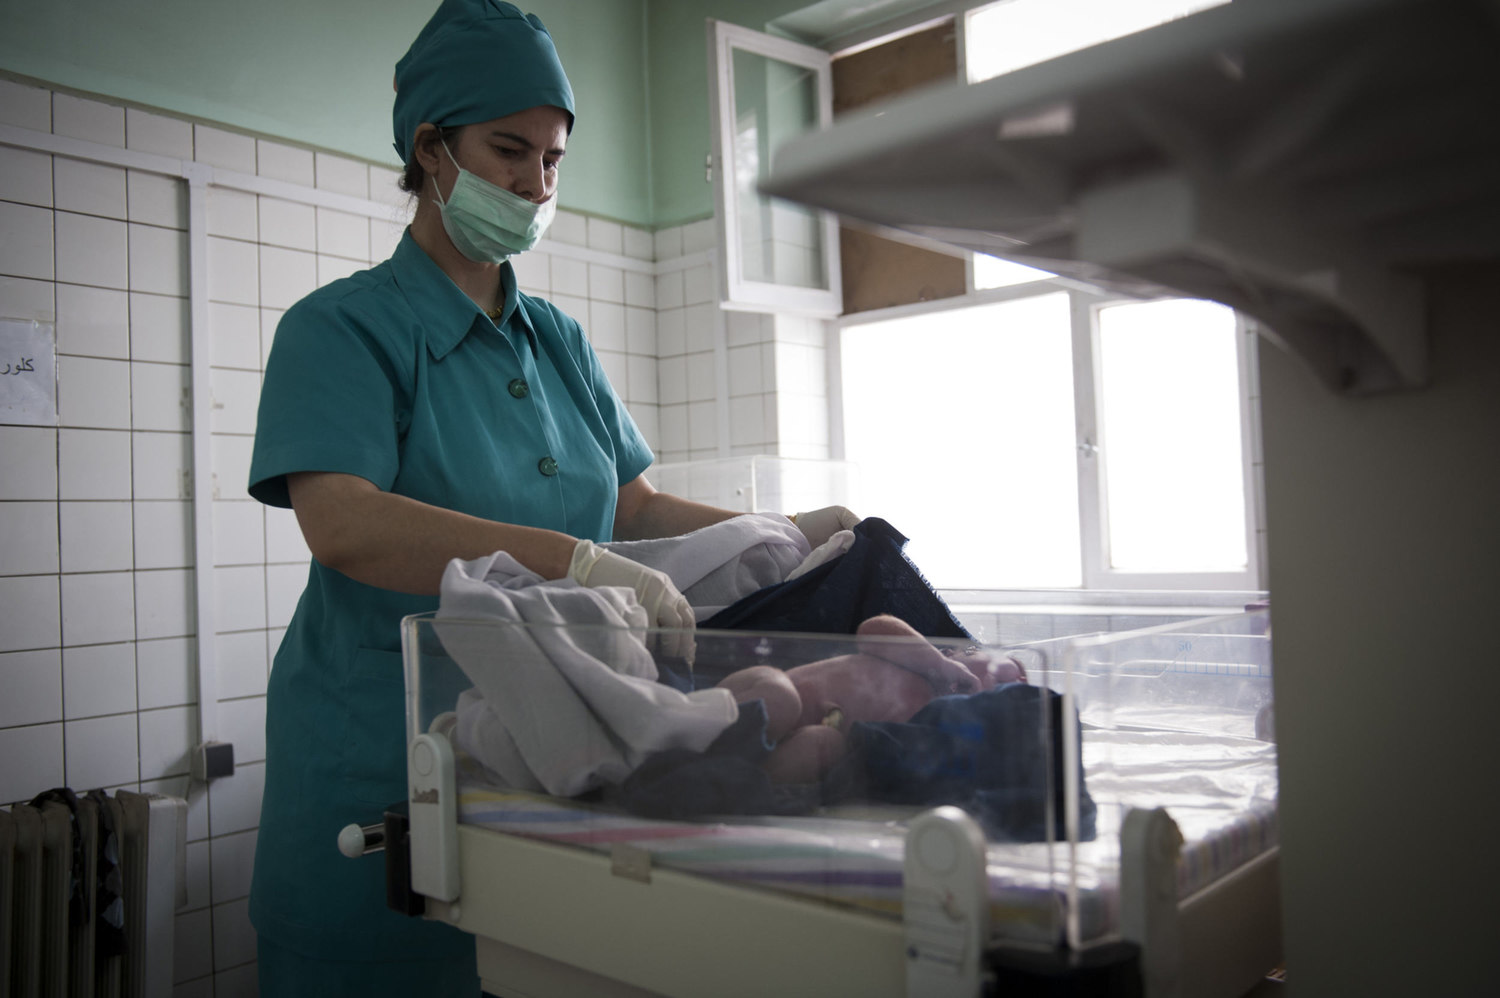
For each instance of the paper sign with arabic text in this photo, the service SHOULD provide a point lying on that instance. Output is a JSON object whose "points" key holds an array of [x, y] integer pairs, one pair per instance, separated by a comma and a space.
{"points": [[28, 372]]}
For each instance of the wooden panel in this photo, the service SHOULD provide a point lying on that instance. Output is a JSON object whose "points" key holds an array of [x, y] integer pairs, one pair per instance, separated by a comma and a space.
{"points": [[883, 71], [880, 273], [877, 272]]}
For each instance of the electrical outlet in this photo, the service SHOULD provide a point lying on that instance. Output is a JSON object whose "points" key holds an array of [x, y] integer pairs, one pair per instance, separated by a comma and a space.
{"points": [[212, 760]]}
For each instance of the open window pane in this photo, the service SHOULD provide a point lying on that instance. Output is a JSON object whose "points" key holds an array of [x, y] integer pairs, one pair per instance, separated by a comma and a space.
{"points": [[1006, 36], [779, 242], [774, 255], [1169, 412], [962, 425]]}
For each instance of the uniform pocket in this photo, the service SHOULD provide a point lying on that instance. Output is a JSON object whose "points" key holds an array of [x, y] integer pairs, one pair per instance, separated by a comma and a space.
{"points": [[374, 751]]}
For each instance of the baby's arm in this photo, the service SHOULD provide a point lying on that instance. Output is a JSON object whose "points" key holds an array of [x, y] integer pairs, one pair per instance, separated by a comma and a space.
{"points": [[773, 688], [804, 750]]}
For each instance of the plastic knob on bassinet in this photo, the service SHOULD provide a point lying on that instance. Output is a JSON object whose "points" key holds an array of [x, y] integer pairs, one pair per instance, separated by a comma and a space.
{"points": [[356, 840]]}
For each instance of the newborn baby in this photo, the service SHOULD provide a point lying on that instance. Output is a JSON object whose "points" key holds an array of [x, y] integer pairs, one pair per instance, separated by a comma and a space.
{"points": [[810, 706]]}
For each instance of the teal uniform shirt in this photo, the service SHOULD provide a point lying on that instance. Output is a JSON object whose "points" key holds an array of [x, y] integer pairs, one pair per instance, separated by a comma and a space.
{"points": [[396, 376]]}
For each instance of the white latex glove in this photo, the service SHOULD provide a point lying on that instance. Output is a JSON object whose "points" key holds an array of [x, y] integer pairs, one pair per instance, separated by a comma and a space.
{"points": [[820, 524], [593, 566]]}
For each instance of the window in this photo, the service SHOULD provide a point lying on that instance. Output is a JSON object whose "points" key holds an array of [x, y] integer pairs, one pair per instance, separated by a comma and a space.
{"points": [[1030, 432], [993, 272], [777, 255], [961, 424], [1168, 404], [1005, 36], [1057, 439]]}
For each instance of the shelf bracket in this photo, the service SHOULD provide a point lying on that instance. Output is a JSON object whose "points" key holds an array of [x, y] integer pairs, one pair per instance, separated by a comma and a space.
{"points": [[1357, 323]]}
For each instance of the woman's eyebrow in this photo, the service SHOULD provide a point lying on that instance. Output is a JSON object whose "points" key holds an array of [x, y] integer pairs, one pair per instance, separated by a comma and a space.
{"points": [[524, 142]]}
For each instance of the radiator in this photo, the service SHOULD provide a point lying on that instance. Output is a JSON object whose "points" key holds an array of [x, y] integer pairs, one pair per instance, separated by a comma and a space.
{"points": [[89, 887]]}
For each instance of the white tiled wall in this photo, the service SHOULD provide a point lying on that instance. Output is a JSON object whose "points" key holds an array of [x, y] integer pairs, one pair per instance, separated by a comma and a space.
{"points": [[776, 385], [97, 643]]}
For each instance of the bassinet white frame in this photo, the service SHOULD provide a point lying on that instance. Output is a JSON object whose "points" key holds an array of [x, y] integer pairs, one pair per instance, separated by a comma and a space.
{"points": [[552, 919]]}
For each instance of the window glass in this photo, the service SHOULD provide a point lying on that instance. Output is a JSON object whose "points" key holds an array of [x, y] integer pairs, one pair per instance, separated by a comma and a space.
{"points": [[962, 425], [1006, 36], [993, 272], [779, 242], [1169, 417]]}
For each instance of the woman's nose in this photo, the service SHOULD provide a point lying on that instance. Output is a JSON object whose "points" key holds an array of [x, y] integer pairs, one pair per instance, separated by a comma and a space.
{"points": [[530, 182]]}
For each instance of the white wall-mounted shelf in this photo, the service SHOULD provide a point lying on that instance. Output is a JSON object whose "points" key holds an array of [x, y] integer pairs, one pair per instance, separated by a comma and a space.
{"points": [[1300, 160]]}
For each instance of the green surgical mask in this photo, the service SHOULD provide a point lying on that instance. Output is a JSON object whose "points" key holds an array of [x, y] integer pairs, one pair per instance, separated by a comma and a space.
{"points": [[489, 224]]}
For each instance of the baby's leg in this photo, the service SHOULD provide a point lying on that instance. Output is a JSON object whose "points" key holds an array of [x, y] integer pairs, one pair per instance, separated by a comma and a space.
{"points": [[805, 755], [860, 688], [774, 689], [915, 655]]}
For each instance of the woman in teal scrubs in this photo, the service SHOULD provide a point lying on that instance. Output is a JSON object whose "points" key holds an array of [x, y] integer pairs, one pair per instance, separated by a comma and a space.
{"points": [[416, 412]]}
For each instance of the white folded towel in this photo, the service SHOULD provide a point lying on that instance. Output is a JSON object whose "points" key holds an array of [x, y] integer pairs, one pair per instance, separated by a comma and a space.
{"points": [[716, 565], [566, 693]]}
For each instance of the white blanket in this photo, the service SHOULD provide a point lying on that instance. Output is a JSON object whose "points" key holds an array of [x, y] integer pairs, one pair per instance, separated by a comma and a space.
{"points": [[717, 565], [566, 694]]}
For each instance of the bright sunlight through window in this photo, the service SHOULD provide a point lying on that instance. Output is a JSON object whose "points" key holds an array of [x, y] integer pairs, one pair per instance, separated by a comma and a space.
{"points": [[1005, 36], [993, 272], [1169, 417], [961, 423], [965, 426]]}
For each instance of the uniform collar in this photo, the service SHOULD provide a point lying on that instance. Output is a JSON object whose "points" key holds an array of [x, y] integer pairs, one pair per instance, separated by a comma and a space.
{"points": [[447, 313]]}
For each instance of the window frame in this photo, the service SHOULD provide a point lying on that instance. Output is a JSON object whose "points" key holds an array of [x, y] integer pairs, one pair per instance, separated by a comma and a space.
{"points": [[1093, 488], [736, 293], [1085, 303]]}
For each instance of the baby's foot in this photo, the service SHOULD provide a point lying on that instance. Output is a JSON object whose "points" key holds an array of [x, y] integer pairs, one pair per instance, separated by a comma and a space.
{"points": [[915, 654]]}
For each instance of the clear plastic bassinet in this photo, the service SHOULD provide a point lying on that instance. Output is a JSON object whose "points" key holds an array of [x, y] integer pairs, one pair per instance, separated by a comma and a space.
{"points": [[1176, 716]]}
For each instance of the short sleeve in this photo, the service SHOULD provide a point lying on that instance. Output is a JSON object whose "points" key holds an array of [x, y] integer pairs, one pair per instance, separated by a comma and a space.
{"points": [[329, 402], [632, 454]]}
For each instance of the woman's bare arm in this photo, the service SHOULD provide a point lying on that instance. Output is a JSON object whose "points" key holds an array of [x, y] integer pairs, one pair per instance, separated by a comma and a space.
{"points": [[398, 543], [642, 512]]}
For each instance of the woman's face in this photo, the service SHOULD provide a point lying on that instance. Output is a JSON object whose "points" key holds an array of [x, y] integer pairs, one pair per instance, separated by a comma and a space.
{"points": [[519, 152]]}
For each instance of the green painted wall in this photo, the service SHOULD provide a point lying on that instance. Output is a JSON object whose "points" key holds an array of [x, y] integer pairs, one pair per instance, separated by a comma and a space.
{"points": [[678, 86], [318, 73]]}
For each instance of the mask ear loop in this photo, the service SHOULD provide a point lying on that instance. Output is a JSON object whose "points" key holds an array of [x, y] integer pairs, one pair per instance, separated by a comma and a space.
{"points": [[438, 199]]}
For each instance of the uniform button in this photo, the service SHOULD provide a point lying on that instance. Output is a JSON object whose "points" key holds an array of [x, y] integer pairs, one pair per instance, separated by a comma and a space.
{"points": [[519, 388], [547, 466]]}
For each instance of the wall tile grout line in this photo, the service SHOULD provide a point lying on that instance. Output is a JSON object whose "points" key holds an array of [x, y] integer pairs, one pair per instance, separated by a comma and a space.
{"points": [[62, 685]]}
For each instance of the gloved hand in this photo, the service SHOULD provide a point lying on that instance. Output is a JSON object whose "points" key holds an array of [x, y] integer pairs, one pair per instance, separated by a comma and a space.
{"points": [[593, 566], [820, 524]]}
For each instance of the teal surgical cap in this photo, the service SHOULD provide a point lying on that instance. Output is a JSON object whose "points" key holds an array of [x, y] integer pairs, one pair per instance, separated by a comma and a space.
{"points": [[476, 60]]}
